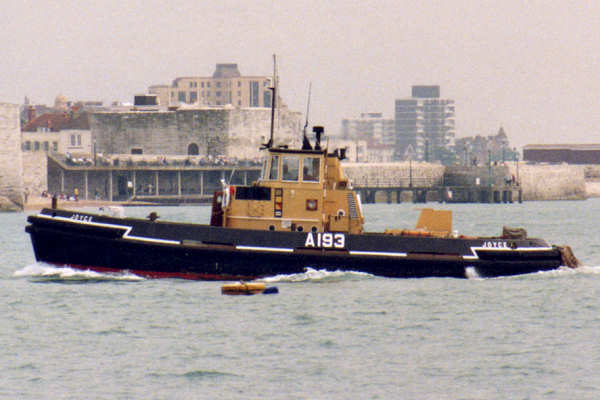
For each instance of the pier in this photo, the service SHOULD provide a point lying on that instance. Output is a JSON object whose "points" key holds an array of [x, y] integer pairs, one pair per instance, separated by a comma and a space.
{"points": [[445, 194], [186, 180], [420, 182]]}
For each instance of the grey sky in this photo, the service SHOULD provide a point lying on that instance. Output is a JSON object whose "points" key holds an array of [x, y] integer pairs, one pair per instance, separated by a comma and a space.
{"points": [[532, 67]]}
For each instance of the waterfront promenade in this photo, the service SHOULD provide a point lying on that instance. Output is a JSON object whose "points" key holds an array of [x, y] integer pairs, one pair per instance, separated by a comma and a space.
{"points": [[174, 180]]}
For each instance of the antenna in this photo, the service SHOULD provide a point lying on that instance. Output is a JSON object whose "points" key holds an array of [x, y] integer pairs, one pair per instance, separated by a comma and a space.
{"points": [[231, 176], [273, 99], [305, 142]]}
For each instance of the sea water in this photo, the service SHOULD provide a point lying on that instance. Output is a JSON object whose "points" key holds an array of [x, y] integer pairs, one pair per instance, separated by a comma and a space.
{"points": [[68, 334]]}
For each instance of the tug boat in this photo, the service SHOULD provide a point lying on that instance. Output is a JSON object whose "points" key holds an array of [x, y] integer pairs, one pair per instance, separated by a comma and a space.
{"points": [[300, 213]]}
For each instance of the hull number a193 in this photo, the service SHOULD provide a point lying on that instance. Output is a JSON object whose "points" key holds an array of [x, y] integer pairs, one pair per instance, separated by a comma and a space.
{"points": [[326, 240]]}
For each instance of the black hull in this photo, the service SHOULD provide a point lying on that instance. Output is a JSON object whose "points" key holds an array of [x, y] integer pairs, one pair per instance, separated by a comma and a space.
{"points": [[193, 251]]}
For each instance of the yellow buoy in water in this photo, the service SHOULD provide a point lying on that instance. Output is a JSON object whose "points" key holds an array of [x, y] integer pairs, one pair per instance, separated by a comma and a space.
{"points": [[243, 288]]}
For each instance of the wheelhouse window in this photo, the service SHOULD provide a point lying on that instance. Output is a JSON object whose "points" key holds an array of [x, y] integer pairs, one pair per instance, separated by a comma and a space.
{"points": [[290, 168], [274, 171], [311, 169], [264, 169]]}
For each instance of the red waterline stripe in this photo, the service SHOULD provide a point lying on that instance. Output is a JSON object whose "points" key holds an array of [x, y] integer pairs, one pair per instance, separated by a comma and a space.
{"points": [[160, 275]]}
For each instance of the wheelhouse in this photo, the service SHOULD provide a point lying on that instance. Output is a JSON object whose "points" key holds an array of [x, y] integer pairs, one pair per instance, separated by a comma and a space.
{"points": [[298, 190]]}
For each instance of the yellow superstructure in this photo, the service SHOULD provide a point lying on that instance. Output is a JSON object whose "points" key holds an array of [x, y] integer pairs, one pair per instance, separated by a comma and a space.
{"points": [[299, 190]]}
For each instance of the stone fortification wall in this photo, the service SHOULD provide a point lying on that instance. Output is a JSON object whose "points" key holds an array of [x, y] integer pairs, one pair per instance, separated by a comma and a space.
{"points": [[592, 188], [592, 180], [11, 162], [394, 174], [458, 175], [550, 182], [35, 172], [538, 182], [251, 127], [230, 132], [592, 172]]}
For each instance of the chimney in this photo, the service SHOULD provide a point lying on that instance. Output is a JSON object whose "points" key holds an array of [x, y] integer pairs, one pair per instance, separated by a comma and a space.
{"points": [[30, 113]]}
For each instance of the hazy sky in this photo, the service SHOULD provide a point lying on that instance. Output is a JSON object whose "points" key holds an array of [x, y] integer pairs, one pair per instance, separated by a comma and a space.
{"points": [[529, 66]]}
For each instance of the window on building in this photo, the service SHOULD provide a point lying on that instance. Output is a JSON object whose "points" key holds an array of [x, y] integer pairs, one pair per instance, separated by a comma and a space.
{"points": [[202, 84], [54, 146], [181, 97], [267, 96], [73, 141], [36, 145], [274, 171], [27, 145], [253, 86], [46, 146], [218, 93], [78, 140], [193, 97], [239, 83], [191, 84], [137, 150], [290, 168], [218, 84], [310, 169], [207, 84], [193, 149]]}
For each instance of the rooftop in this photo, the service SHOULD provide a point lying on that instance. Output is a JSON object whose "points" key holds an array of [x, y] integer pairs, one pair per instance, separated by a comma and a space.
{"points": [[572, 147]]}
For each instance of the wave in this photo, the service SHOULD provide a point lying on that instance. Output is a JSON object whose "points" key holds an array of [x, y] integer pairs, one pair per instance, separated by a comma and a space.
{"points": [[471, 273], [195, 374], [43, 272], [318, 275], [562, 271]]}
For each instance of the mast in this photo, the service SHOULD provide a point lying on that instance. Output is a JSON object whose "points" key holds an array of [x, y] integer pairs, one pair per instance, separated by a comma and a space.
{"points": [[305, 142], [273, 100]]}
